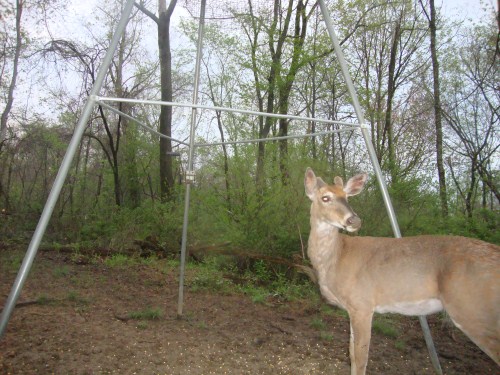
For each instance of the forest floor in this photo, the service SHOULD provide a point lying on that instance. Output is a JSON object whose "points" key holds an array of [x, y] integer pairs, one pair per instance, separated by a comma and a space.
{"points": [[95, 318]]}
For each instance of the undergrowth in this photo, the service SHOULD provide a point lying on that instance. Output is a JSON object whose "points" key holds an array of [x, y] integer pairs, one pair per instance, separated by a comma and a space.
{"points": [[261, 283]]}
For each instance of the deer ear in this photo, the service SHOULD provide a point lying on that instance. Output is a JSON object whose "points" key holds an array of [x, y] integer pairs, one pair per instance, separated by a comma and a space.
{"points": [[312, 183], [338, 181], [355, 184]]}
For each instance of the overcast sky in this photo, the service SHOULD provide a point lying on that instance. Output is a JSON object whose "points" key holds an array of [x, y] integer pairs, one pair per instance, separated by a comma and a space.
{"points": [[71, 20], [459, 9]]}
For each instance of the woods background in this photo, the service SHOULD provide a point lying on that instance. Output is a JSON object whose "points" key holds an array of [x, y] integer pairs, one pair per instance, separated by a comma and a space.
{"points": [[428, 85]]}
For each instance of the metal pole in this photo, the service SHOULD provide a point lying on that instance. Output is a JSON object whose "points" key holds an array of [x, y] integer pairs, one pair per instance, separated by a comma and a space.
{"points": [[63, 172], [190, 172], [376, 166]]}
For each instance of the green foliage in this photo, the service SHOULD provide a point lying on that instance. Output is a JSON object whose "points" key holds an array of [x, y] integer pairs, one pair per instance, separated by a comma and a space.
{"points": [[257, 294], [209, 277], [269, 223], [483, 224], [292, 290], [261, 271], [118, 227], [219, 274]]}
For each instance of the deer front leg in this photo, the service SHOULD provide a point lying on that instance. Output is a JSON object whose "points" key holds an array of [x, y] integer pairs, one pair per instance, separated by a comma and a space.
{"points": [[361, 326]]}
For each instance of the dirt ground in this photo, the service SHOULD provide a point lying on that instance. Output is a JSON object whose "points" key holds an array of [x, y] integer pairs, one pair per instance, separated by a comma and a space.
{"points": [[80, 324]]}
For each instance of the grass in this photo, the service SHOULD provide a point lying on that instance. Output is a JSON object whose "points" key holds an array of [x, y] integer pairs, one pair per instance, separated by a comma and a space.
{"points": [[142, 325], [325, 336], [384, 326], [202, 325], [146, 314], [119, 260], [74, 297], [341, 313], [61, 271], [258, 295], [318, 323], [208, 277], [43, 300], [12, 262], [329, 310], [400, 345]]}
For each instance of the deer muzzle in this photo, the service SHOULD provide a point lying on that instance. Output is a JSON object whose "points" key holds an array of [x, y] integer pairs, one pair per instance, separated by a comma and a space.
{"points": [[353, 223]]}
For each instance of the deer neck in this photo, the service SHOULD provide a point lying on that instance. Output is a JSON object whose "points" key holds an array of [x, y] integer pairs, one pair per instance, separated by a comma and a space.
{"points": [[324, 245]]}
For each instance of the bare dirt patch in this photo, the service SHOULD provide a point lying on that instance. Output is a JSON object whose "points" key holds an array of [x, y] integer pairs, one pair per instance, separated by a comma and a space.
{"points": [[81, 324]]}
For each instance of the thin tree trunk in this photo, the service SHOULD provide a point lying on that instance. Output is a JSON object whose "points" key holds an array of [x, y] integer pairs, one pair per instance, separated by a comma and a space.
{"points": [[285, 88], [226, 159], [15, 65], [437, 112], [391, 90]]}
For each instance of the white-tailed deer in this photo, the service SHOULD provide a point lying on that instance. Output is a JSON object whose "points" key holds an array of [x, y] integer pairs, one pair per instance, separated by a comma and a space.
{"points": [[412, 275]]}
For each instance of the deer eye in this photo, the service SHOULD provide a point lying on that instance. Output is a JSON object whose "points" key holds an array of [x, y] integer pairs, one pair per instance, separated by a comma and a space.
{"points": [[326, 198]]}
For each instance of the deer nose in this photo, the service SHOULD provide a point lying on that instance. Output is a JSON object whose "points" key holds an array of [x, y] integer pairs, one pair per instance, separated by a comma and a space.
{"points": [[354, 221]]}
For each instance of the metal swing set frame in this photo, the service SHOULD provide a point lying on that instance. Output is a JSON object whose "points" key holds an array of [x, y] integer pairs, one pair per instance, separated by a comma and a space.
{"points": [[94, 99]]}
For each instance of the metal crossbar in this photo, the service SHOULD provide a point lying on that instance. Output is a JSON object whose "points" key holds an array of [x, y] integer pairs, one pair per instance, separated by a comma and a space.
{"points": [[347, 126], [309, 135], [101, 99], [117, 111]]}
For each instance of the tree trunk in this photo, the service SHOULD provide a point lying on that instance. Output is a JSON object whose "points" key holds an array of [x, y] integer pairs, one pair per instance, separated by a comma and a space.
{"points": [[165, 125], [299, 35], [226, 159], [437, 112], [15, 64], [391, 90], [276, 50], [112, 154]]}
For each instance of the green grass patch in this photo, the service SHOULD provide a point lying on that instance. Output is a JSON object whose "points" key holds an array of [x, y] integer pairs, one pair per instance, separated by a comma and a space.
{"points": [[208, 276], [341, 313], [318, 323], [120, 261], [400, 345], [260, 297], [61, 271], [12, 262], [146, 314], [257, 294], [44, 300], [330, 310], [290, 290], [325, 336], [202, 325], [142, 325], [74, 297], [384, 326]]}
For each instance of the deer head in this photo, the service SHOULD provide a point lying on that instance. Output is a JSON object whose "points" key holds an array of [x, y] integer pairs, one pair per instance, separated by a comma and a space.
{"points": [[329, 202]]}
